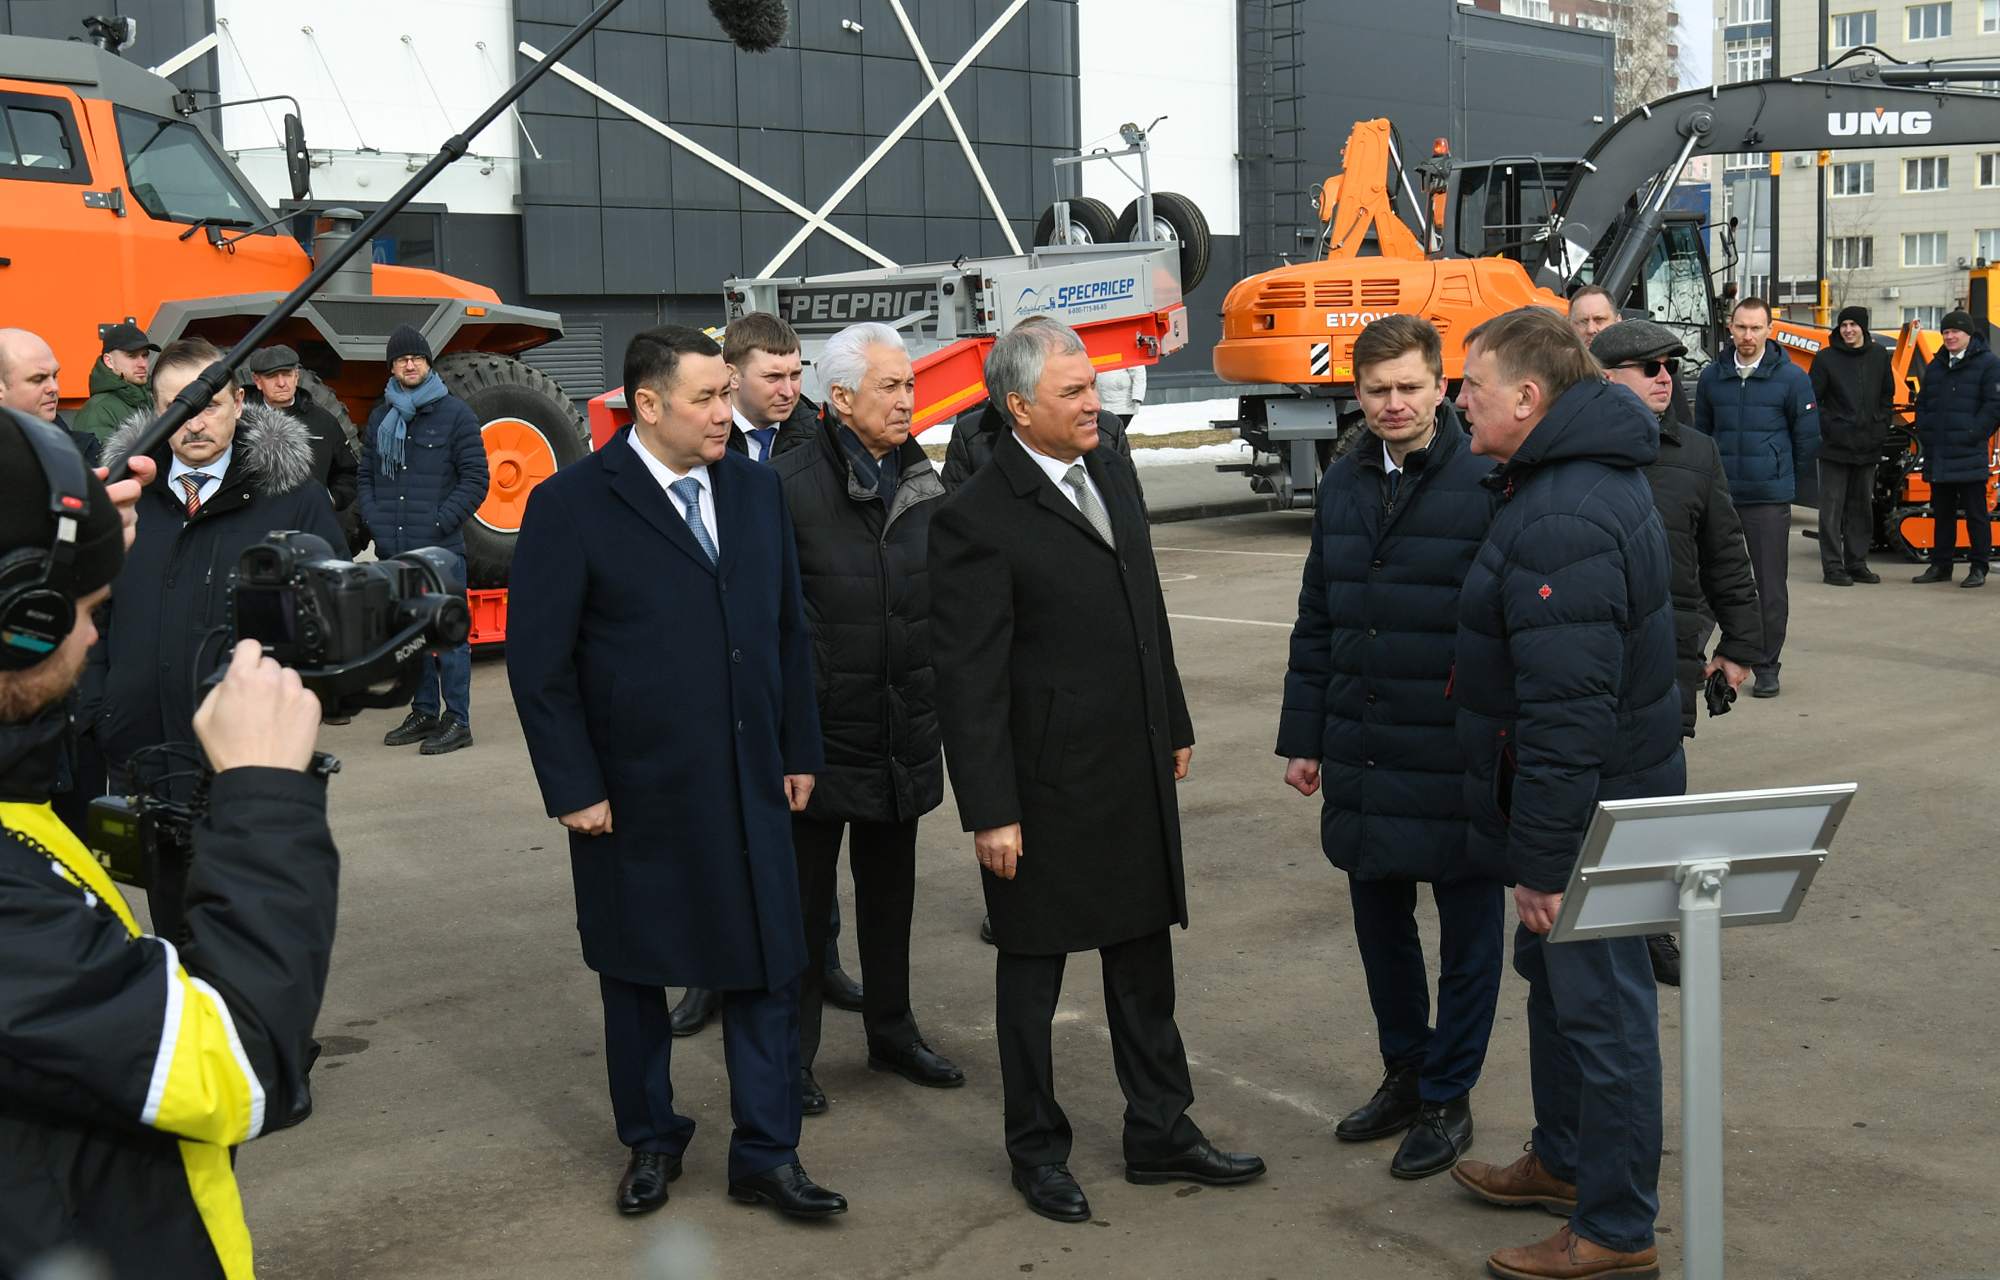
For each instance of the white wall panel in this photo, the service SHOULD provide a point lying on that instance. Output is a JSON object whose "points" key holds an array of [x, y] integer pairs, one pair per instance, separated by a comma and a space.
{"points": [[393, 91], [1144, 58]]}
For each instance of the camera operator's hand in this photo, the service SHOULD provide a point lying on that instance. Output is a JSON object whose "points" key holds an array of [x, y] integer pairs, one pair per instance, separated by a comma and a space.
{"points": [[259, 716], [594, 821], [125, 494]]}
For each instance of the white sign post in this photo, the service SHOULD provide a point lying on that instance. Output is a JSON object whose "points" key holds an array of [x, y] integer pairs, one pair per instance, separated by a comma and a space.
{"points": [[1698, 863]]}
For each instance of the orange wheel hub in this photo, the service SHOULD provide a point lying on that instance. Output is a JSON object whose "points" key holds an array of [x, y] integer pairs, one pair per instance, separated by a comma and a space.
{"points": [[518, 458]]}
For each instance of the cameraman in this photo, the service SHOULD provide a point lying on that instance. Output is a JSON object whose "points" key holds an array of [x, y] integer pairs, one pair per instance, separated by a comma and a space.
{"points": [[129, 1070]]}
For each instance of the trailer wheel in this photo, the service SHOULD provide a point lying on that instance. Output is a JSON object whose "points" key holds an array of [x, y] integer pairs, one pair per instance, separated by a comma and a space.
{"points": [[1090, 222], [1176, 218], [531, 431]]}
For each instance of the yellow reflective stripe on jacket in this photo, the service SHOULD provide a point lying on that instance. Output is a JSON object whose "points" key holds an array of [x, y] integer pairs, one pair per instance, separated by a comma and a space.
{"points": [[203, 1087]]}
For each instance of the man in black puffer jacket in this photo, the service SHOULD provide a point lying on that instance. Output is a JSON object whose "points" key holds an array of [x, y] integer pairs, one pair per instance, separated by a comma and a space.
{"points": [[861, 498], [1856, 391], [1566, 696], [1396, 524], [1958, 410]]}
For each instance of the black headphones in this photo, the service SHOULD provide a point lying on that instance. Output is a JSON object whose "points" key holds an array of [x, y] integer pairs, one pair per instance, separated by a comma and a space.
{"points": [[37, 606]]}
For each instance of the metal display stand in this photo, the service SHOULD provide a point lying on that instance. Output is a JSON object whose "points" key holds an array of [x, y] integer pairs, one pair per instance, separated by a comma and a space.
{"points": [[1698, 863]]}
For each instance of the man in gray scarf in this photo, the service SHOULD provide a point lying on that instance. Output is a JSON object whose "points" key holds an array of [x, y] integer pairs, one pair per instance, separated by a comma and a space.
{"points": [[423, 474]]}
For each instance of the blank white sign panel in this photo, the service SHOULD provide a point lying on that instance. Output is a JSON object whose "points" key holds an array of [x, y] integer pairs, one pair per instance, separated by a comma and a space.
{"points": [[1640, 840]]}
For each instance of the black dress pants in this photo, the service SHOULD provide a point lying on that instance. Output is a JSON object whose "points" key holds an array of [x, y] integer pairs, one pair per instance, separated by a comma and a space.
{"points": [[1146, 1050], [1471, 934], [1846, 515], [1947, 502], [1767, 528], [883, 859]]}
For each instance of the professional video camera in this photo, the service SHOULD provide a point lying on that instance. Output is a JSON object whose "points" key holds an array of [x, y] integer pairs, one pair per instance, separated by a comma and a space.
{"points": [[357, 635]]}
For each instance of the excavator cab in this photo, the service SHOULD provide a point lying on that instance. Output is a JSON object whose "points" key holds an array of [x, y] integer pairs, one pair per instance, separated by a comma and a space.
{"points": [[1502, 208]]}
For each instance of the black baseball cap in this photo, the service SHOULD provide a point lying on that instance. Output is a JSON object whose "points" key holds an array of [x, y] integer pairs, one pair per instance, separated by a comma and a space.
{"points": [[127, 337]]}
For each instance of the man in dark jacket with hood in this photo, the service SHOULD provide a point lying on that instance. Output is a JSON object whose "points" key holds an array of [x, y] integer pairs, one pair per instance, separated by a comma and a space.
{"points": [[861, 497], [1758, 408], [1566, 696], [1957, 411], [423, 474], [1395, 526], [1856, 392]]}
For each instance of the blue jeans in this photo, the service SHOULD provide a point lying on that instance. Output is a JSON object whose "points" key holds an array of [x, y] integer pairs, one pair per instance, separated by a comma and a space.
{"points": [[1594, 1057], [1471, 926], [451, 672]]}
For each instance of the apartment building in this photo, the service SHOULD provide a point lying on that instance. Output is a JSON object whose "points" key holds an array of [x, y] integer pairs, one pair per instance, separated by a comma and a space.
{"points": [[1903, 222]]}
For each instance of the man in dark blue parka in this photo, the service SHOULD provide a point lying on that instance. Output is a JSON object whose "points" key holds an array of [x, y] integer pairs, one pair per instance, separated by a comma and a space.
{"points": [[1957, 412], [1759, 409], [1367, 714], [662, 668], [423, 474], [1566, 696]]}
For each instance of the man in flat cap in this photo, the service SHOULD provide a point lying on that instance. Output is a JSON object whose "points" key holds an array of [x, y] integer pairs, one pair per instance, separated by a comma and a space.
{"points": [[118, 381], [276, 373]]}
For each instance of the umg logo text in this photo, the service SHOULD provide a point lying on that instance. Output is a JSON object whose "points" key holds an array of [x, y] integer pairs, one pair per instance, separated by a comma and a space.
{"points": [[1846, 124]]}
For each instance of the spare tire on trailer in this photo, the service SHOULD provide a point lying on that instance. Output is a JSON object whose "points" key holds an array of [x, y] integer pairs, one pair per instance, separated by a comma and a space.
{"points": [[531, 431], [1177, 218], [1090, 222]]}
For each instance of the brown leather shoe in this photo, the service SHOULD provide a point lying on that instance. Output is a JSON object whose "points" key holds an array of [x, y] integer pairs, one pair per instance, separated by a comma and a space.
{"points": [[1524, 1182], [1568, 1256]]}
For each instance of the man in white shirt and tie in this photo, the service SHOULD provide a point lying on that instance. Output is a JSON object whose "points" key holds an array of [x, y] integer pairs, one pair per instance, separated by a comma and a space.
{"points": [[763, 353]]}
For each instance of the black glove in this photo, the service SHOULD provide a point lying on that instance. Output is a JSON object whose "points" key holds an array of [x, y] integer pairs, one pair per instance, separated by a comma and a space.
{"points": [[1718, 693]]}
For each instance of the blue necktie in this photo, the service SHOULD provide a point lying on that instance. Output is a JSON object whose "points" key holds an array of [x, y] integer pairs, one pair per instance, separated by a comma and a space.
{"points": [[688, 490], [763, 436]]}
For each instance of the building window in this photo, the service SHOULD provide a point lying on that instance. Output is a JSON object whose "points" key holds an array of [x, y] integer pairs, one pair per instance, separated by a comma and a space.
{"points": [[1989, 16], [1927, 173], [1854, 178], [1850, 29], [1989, 246], [1924, 249], [1742, 11], [1929, 21], [1989, 168], [1746, 60], [1538, 9], [1850, 253], [1928, 317]]}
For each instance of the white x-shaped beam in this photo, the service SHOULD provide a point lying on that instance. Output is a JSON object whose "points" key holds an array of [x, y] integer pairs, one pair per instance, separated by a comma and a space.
{"points": [[964, 143]]}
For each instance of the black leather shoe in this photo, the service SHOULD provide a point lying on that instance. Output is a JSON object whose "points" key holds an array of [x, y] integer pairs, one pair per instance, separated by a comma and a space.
{"points": [[1976, 578], [841, 991], [452, 734], [918, 1063], [790, 1190], [1394, 1108], [415, 728], [986, 930], [644, 1186], [1199, 1163], [1665, 954], [1440, 1136], [1767, 685], [1837, 580], [694, 1010], [1052, 1192], [1864, 574], [812, 1098], [1936, 573]]}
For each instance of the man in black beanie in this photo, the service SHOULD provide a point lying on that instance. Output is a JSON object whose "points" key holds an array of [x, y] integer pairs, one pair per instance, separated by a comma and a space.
{"points": [[1958, 410], [1856, 391], [423, 474]]}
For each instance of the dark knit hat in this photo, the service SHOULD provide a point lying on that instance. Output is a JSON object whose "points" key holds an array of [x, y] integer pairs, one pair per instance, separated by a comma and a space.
{"points": [[1631, 340], [406, 341], [1858, 315], [268, 360], [1961, 321], [25, 520]]}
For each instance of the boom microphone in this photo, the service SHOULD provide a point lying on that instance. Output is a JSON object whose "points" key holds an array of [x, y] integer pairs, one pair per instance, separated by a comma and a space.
{"points": [[755, 26]]}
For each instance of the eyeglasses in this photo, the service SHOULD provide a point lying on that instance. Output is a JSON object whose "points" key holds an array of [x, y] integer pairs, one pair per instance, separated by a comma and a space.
{"points": [[1651, 368]]}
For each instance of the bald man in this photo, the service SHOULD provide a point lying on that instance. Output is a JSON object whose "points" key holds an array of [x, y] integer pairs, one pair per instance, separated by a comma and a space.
{"points": [[28, 384]]}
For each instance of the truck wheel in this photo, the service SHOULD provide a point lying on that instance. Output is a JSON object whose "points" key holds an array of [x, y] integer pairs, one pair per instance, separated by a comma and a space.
{"points": [[1177, 218], [1090, 222], [531, 431]]}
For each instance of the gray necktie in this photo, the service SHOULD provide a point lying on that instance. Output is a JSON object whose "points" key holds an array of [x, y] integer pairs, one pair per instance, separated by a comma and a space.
{"points": [[688, 490], [1087, 502]]}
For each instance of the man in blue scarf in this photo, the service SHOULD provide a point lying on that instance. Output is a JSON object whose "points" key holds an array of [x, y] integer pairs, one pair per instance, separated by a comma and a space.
{"points": [[423, 474]]}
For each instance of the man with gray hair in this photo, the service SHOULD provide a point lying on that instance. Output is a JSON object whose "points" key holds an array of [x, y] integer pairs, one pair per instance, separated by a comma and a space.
{"points": [[1066, 730], [862, 493]]}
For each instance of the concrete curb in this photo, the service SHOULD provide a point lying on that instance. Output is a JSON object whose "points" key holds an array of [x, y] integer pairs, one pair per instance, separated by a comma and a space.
{"points": [[1245, 506]]}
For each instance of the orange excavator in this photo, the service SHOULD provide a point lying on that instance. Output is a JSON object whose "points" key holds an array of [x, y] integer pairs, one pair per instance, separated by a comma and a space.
{"points": [[1460, 241]]}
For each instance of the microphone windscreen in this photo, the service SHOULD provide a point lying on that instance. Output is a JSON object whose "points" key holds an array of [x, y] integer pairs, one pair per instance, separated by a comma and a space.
{"points": [[753, 25]]}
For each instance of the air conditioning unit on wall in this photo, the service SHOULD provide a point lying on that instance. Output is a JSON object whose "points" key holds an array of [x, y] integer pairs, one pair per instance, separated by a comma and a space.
{"points": [[1892, 292]]}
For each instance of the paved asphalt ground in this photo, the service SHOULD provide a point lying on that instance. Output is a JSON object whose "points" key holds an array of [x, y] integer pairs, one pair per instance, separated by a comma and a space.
{"points": [[462, 1127]]}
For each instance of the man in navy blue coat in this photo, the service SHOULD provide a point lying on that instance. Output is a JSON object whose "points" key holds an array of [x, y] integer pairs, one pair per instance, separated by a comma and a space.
{"points": [[1566, 696], [661, 665], [1958, 410], [1367, 713]]}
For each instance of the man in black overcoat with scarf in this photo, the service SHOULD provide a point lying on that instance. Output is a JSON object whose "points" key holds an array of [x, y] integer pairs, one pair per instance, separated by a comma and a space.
{"points": [[1065, 729], [660, 662]]}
